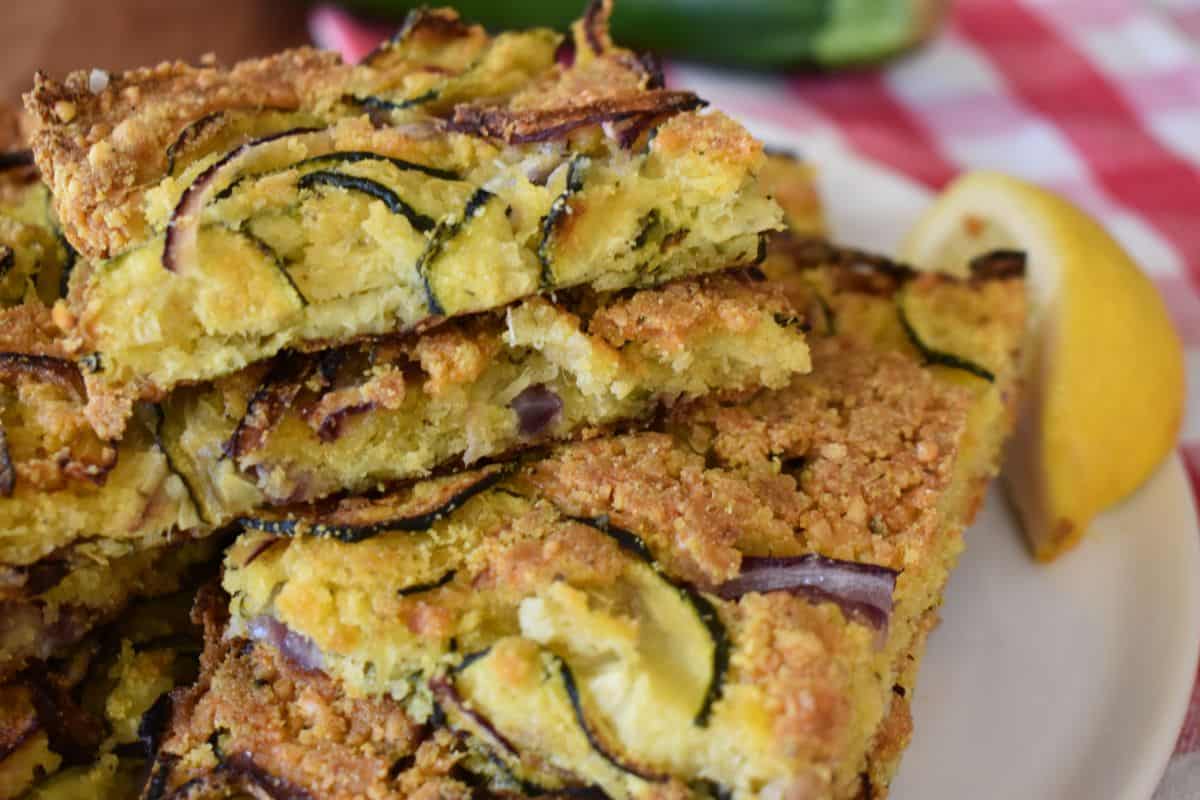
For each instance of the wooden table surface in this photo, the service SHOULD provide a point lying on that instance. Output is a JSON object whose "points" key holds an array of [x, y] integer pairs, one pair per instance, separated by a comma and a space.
{"points": [[62, 35]]}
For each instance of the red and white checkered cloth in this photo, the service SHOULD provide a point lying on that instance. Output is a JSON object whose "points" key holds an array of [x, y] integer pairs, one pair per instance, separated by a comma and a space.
{"points": [[1097, 99]]}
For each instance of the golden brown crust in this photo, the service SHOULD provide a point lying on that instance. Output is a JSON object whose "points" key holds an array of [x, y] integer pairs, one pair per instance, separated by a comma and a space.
{"points": [[669, 318], [99, 151], [867, 441], [299, 726], [875, 435], [30, 329], [49, 441]]}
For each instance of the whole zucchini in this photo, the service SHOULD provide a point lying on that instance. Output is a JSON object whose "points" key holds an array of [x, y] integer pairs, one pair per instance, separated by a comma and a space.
{"points": [[752, 33]]}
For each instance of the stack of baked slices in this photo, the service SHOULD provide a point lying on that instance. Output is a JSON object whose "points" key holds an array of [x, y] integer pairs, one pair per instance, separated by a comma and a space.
{"points": [[521, 443]]}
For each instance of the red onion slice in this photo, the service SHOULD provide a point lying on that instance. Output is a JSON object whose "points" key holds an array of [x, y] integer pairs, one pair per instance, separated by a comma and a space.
{"points": [[179, 246], [536, 407], [564, 54], [863, 591], [8, 472], [595, 25], [295, 647]]}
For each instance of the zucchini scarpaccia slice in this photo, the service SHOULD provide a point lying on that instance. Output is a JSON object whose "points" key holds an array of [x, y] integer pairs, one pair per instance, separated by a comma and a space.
{"points": [[355, 519]]}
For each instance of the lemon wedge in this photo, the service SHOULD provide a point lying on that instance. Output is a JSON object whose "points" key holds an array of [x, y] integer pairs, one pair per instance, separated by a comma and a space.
{"points": [[1103, 367]]}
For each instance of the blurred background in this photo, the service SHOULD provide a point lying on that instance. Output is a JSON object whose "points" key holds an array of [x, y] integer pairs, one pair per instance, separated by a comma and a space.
{"points": [[61, 35]]}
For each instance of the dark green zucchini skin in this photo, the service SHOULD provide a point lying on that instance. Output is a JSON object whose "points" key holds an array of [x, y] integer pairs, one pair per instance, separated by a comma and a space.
{"points": [[442, 233], [70, 256], [344, 157], [572, 689], [418, 588], [350, 532], [632, 543], [373, 103], [373, 189], [8, 473], [355, 156], [192, 130], [157, 419], [941, 358], [762, 34], [574, 184], [628, 540], [270, 253]]}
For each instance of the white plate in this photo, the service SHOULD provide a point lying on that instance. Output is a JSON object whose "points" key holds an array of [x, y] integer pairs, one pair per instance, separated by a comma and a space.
{"points": [[1066, 681]]}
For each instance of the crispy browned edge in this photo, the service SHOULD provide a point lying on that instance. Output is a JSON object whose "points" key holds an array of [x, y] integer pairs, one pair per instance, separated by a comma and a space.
{"points": [[896, 730], [100, 151]]}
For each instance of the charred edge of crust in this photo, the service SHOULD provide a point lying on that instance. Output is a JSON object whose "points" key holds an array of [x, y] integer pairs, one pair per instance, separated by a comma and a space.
{"points": [[443, 22], [237, 772], [864, 272], [998, 265], [47, 369], [73, 733], [537, 125]]}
